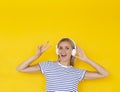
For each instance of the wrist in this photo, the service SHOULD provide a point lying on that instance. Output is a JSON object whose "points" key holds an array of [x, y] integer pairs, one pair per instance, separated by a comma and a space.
{"points": [[87, 60], [36, 56]]}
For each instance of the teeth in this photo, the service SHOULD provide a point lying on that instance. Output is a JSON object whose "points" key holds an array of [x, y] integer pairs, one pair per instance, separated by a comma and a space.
{"points": [[63, 55]]}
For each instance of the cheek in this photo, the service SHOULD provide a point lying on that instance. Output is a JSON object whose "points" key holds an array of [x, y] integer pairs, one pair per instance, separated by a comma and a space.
{"points": [[70, 52]]}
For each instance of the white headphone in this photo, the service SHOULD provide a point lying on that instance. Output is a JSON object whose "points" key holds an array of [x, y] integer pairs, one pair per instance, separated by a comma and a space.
{"points": [[73, 51]]}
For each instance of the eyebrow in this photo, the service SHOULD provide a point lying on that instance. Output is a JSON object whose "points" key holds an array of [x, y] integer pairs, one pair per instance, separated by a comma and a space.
{"points": [[65, 46]]}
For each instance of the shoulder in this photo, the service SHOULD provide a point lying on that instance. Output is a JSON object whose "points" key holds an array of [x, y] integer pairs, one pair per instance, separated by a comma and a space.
{"points": [[47, 63], [78, 70], [80, 73]]}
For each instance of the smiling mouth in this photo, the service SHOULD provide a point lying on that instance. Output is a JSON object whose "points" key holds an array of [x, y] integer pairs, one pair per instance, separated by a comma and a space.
{"points": [[63, 55]]}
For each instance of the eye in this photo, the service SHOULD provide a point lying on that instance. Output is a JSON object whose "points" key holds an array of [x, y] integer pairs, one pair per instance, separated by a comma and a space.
{"points": [[67, 48], [60, 48]]}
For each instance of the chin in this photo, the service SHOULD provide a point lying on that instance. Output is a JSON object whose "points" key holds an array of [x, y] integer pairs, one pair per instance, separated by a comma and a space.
{"points": [[64, 60]]}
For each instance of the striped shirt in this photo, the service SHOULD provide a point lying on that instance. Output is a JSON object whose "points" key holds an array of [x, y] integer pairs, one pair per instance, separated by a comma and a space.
{"points": [[61, 78]]}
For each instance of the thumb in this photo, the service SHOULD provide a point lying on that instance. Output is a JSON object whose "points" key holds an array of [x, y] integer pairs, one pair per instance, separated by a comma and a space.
{"points": [[76, 57]]}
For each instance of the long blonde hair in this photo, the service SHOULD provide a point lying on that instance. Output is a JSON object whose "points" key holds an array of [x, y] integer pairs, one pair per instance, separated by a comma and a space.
{"points": [[72, 59]]}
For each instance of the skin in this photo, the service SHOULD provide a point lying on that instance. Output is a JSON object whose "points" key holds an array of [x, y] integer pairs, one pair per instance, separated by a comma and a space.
{"points": [[65, 48]]}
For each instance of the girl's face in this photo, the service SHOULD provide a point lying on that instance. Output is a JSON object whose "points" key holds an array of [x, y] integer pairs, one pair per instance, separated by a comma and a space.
{"points": [[65, 50]]}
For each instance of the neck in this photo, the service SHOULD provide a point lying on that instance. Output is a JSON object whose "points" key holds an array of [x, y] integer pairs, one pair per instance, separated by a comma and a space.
{"points": [[66, 63]]}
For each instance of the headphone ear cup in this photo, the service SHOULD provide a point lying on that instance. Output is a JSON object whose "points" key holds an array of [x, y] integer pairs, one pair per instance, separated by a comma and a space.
{"points": [[73, 52], [56, 50]]}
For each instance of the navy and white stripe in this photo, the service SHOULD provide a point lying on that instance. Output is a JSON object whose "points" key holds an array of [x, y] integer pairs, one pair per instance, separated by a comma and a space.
{"points": [[60, 78]]}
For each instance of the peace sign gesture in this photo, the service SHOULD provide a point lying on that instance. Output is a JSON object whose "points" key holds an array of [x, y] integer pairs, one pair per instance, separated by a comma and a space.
{"points": [[42, 48]]}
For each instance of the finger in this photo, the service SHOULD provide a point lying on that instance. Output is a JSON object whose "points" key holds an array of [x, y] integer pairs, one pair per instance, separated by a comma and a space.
{"points": [[45, 48], [46, 44], [80, 50], [48, 47], [39, 47]]}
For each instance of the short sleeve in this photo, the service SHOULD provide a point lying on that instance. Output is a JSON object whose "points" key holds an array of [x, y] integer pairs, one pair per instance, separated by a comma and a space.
{"points": [[43, 66], [81, 74]]}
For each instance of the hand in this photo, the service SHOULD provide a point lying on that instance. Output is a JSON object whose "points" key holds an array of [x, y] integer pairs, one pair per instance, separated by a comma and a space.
{"points": [[81, 55], [42, 48]]}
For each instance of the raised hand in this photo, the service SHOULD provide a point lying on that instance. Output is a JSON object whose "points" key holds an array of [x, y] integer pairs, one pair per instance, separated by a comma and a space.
{"points": [[42, 48], [81, 55]]}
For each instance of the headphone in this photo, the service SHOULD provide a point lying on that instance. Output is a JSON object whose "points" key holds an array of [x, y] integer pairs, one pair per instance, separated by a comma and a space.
{"points": [[73, 51]]}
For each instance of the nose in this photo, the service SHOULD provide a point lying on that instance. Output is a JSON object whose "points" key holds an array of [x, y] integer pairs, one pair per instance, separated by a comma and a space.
{"points": [[63, 51]]}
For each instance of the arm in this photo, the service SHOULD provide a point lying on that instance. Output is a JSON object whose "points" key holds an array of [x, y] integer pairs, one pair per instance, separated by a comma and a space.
{"points": [[25, 66], [100, 71]]}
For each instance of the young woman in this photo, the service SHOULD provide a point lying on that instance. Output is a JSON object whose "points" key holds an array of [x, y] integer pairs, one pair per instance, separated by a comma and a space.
{"points": [[61, 76]]}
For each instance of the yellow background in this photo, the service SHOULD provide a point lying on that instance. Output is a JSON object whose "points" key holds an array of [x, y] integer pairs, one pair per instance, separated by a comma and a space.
{"points": [[25, 24]]}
